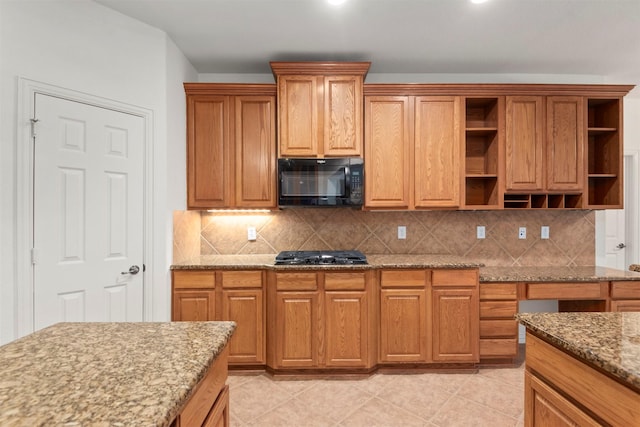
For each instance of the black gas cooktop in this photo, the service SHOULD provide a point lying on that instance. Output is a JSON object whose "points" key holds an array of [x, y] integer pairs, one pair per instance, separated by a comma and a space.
{"points": [[320, 258]]}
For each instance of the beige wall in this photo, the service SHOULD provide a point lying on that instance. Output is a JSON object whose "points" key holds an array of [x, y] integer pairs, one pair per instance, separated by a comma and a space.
{"points": [[571, 242]]}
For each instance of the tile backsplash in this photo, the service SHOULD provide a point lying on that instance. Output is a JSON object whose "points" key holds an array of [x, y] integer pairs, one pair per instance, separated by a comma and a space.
{"points": [[571, 241]]}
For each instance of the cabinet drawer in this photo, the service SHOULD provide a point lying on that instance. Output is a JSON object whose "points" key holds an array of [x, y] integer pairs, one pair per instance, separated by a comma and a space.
{"points": [[625, 290], [454, 278], [241, 279], [498, 328], [496, 347], [403, 278], [489, 309], [498, 291], [344, 281], [194, 279], [296, 281], [582, 290]]}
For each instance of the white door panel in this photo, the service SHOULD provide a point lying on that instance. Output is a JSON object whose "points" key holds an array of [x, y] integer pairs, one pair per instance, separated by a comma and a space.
{"points": [[620, 223], [88, 213], [615, 238]]}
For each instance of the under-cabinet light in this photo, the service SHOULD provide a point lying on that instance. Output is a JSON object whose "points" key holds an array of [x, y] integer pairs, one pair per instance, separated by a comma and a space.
{"points": [[248, 211], [336, 2], [478, 1]]}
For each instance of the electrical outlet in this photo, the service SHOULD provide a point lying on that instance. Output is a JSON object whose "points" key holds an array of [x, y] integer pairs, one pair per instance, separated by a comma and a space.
{"points": [[480, 232], [402, 232], [544, 232], [522, 233], [251, 233]]}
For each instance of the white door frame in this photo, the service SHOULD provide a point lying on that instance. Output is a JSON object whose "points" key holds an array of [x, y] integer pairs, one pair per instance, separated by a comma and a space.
{"points": [[632, 206], [24, 314]]}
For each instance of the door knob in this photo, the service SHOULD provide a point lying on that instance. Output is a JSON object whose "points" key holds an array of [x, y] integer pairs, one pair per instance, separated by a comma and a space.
{"points": [[621, 246], [134, 269]]}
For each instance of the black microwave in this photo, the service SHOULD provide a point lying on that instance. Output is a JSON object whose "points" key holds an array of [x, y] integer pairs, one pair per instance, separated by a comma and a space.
{"points": [[320, 182]]}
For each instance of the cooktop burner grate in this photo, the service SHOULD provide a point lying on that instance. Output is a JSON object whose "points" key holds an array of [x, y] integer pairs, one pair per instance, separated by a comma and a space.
{"points": [[320, 258]]}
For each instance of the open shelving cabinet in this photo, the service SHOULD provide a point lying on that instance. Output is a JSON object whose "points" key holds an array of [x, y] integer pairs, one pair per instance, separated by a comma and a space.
{"points": [[604, 153], [483, 133]]}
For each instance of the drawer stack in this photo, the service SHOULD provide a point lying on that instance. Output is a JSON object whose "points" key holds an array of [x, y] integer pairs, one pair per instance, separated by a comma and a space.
{"points": [[498, 327]]}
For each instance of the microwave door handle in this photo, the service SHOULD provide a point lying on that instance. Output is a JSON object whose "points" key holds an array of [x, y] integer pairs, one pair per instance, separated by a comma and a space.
{"points": [[347, 182]]}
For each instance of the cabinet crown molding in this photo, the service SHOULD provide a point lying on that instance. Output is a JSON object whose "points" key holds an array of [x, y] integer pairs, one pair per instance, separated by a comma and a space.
{"points": [[495, 89], [267, 89], [319, 68]]}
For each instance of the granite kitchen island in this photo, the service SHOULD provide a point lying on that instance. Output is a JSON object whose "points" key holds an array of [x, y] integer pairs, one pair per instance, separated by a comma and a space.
{"points": [[114, 374], [582, 368]]}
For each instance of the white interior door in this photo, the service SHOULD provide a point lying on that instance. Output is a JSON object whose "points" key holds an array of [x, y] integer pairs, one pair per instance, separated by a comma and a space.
{"points": [[615, 242], [619, 223], [88, 213]]}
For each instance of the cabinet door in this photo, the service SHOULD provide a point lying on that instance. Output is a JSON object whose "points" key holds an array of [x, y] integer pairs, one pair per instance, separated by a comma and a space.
{"points": [[299, 128], [194, 305], [219, 415], [524, 143], [209, 161], [403, 325], [297, 320], [346, 329], [255, 150], [246, 308], [387, 144], [342, 119], [455, 325], [565, 143], [546, 407], [438, 138]]}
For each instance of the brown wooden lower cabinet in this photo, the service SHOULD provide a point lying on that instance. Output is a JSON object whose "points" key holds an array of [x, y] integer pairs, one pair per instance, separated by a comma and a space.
{"points": [[562, 390], [429, 316], [625, 295], [347, 320], [205, 295], [455, 325], [356, 319], [320, 320], [498, 327], [208, 406], [404, 326], [296, 330]]}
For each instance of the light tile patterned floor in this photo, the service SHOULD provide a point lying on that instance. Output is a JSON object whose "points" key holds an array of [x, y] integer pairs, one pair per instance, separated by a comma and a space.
{"points": [[492, 397]]}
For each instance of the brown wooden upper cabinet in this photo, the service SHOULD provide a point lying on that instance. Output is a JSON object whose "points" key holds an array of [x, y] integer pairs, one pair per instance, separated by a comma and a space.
{"points": [[319, 108], [412, 151], [545, 151], [231, 150], [545, 143]]}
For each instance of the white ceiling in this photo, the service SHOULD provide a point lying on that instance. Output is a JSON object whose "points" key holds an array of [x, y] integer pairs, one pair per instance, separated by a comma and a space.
{"points": [[577, 37]]}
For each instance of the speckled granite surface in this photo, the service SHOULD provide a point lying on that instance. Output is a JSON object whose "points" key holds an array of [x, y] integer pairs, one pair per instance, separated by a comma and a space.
{"points": [[487, 274], [610, 341], [554, 274], [106, 374], [374, 261]]}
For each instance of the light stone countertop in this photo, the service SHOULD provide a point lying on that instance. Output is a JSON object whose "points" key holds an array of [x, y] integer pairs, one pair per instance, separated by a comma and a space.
{"points": [[555, 274], [487, 274], [266, 261], [610, 341], [106, 374]]}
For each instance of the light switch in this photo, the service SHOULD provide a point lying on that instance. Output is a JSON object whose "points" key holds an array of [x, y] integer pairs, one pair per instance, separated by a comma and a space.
{"points": [[480, 232], [544, 232], [402, 232], [251, 233]]}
